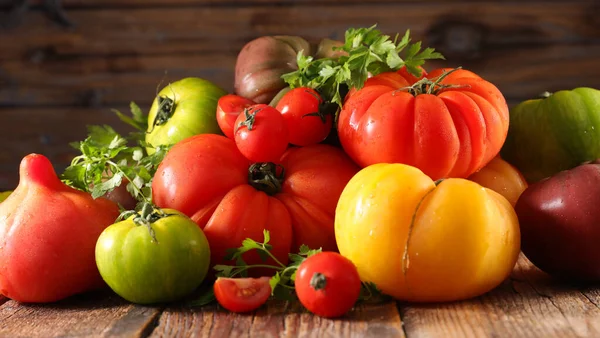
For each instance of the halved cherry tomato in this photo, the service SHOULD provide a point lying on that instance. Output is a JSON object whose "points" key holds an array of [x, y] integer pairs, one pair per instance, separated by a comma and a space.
{"points": [[261, 134], [327, 284], [305, 115], [242, 294], [229, 107]]}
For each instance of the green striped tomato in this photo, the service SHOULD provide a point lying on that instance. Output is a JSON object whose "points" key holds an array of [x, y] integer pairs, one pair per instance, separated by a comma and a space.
{"points": [[555, 133]]}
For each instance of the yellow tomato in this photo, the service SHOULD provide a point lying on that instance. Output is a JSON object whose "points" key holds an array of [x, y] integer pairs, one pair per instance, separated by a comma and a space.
{"points": [[503, 178], [425, 243]]}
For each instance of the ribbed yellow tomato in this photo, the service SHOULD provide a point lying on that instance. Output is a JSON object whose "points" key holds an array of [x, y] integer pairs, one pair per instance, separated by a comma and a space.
{"points": [[425, 243]]}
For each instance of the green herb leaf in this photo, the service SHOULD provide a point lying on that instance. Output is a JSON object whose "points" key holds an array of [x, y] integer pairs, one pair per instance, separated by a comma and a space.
{"points": [[206, 298], [368, 50]]}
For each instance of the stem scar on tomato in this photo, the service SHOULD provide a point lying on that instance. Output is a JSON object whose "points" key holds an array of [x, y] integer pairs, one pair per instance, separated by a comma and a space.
{"points": [[166, 108], [318, 281]]}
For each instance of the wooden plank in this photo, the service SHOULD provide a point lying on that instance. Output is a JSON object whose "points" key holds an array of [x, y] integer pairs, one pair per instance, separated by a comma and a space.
{"points": [[529, 304], [226, 29], [116, 80], [166, 3], [47, 132], [92, 314], [278, 319]]}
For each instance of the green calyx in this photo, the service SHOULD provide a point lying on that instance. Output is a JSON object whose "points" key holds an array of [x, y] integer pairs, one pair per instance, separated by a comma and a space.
{"points": [[166, 109], [266, 176], [146, 217]]}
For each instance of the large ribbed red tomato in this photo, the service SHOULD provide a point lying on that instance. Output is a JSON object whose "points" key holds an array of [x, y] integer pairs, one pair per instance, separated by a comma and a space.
{"points": [[207, 178], [450, 123]]}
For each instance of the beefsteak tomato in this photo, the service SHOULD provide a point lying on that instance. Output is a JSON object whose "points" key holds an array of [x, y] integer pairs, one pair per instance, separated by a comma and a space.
{"points": [[183, 108], [208, 179], [421, 242], [450, 123], [48, 231], [154, 256]]}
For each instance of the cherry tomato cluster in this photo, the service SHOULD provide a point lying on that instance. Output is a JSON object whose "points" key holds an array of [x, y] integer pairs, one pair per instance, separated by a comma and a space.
{"points": [[262, 132]]}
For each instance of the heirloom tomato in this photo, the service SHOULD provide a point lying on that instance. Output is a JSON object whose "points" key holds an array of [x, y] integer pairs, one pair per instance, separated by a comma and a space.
{"points": [[554, 133], [449, 123], [229, 107], [48, 231], [559, 219], [153, 256], [183, 108], [418, 241], [208, 179], [501, 177], [304, 113]]}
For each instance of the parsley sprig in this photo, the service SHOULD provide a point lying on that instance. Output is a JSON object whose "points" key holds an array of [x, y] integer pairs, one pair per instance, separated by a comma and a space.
{"points": [[107, 158], [282, 282], [368, 51]]}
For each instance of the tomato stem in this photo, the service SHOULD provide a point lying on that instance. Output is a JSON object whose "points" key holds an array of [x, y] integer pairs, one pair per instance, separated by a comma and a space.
{"points": [[431, 86], [264, 176], [250, 115], [318, 281], [166, 109]]}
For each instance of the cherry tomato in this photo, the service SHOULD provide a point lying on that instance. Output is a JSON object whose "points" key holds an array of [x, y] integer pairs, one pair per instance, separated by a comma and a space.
{"points": [[327, 284], [229, 107], [242, 294], [305, 115], [261, 134]]}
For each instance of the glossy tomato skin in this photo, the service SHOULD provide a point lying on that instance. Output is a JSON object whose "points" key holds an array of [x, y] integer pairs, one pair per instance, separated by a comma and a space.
{"points": [[245, 212], [193, 101], [298, 107], [206, 178], [225, 206], [501, 177], [315, 176], [242, 294], [452, 133], [327, 284], [146, 272], [48, 231], [229, 107], [422, 242], [261, 134], [559, 219]]}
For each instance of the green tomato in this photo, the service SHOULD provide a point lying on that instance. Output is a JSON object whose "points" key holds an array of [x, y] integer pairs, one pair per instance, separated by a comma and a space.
{"points": [[144, 269], [182, 109], [4, 195], [555, 133]]}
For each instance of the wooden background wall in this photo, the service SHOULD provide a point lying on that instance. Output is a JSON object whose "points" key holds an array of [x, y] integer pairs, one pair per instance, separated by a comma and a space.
{"points": [[56, 79]]}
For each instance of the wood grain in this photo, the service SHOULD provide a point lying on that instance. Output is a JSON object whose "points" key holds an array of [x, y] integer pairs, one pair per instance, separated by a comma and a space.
{"points": [[226, 29], [280, 319], [529, 304], [109, 81], [90, 315]]}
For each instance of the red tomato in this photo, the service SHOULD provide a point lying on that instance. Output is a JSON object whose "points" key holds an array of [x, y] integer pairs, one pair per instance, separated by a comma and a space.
{"points": [[242, 294], [208, 179], [327, 284], [451, 132], [261, 134], [303, 111], [48, 234], [229, 107]]}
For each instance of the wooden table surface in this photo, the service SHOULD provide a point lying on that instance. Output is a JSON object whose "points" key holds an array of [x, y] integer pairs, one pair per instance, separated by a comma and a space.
{"points": [[528, 304]]}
